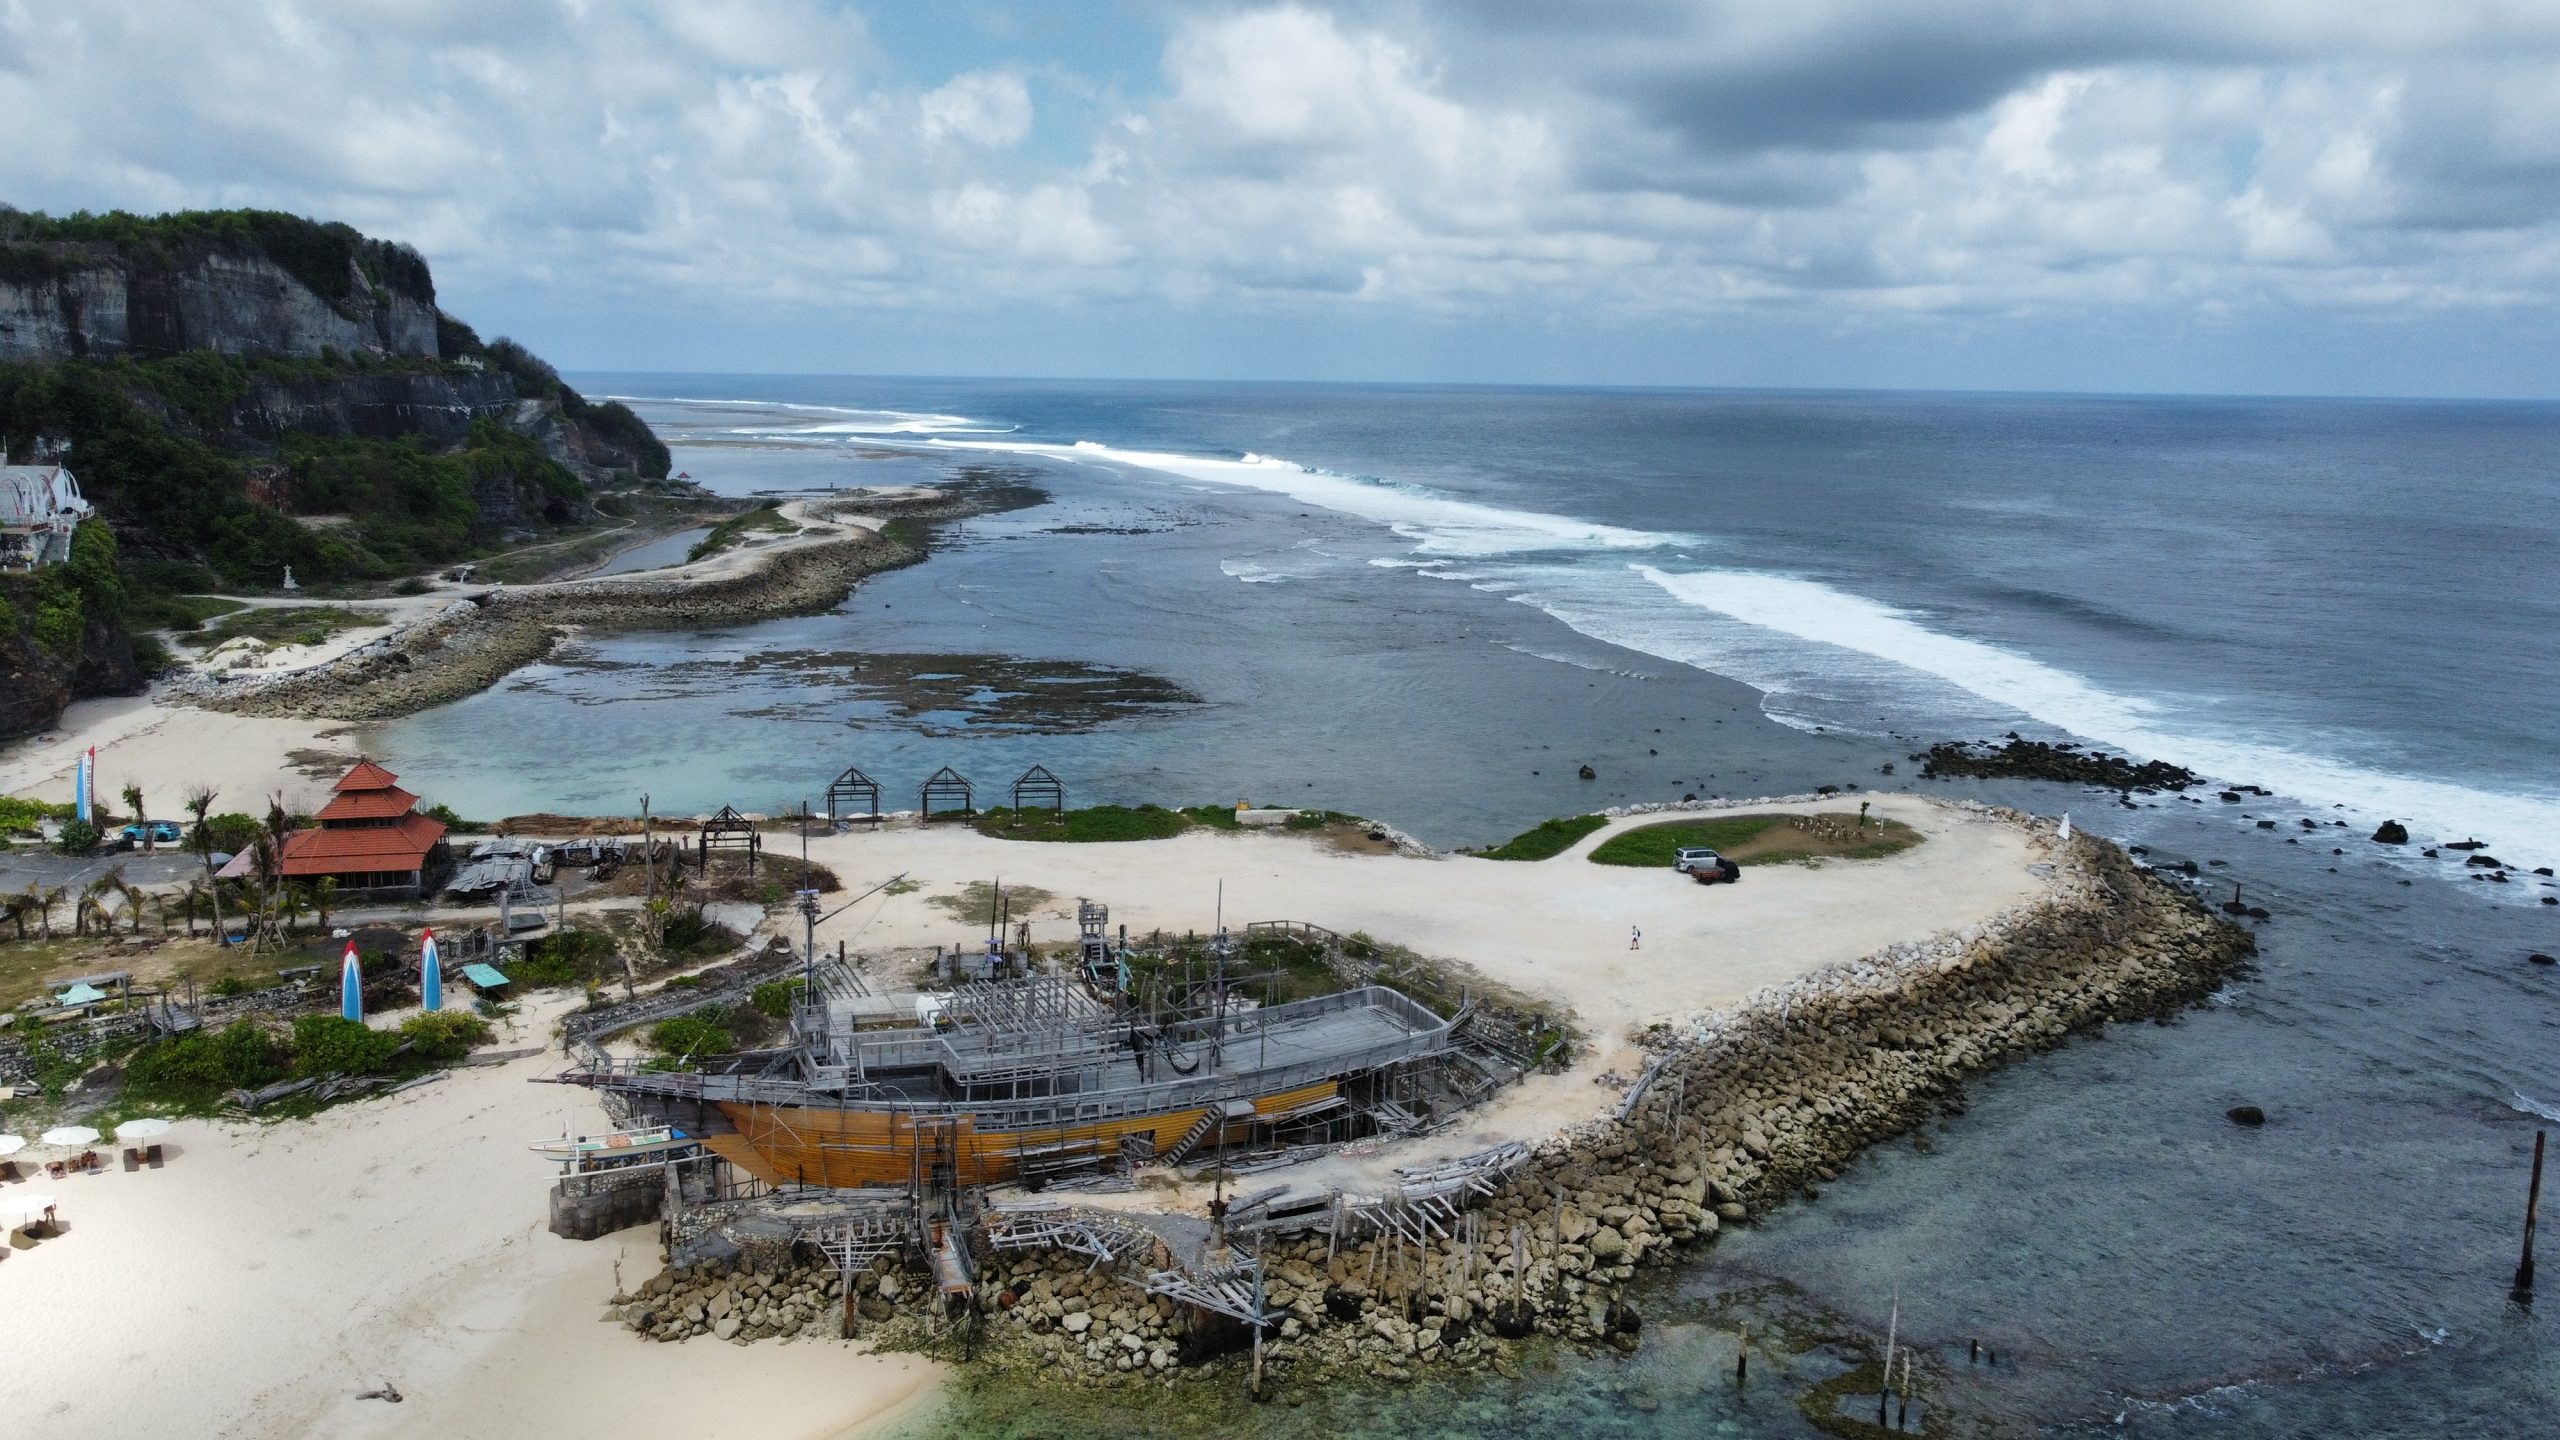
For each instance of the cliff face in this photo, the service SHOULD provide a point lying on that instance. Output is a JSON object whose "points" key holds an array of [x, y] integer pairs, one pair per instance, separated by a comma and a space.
{"points": [[436, 406], [90, 301]]}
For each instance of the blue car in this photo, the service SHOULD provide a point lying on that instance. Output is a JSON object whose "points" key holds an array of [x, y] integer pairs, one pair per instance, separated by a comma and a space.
{"points": [[162, 832]]}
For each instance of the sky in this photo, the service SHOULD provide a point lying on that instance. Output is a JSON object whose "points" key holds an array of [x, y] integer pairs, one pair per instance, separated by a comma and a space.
{"points": [[2218, 196]]}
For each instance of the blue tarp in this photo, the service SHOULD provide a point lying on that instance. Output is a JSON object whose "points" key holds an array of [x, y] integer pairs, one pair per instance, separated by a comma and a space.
{"points": [[483, 977]]}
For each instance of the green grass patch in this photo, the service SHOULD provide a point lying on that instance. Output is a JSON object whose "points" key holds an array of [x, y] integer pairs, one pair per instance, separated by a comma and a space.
{"points": [[764, 519], [289, 624], [1653, 844], [976, 904], [1762, 839], [1216, 817], [185, 614], [1097, 824], [1548, 838]]}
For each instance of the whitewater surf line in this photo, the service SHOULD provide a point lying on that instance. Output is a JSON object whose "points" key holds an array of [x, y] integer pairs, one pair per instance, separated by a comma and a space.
{"points": [[1879, 655]]}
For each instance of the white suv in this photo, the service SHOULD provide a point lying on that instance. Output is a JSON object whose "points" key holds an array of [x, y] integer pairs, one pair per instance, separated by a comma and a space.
{"points": [[1694, 857]]}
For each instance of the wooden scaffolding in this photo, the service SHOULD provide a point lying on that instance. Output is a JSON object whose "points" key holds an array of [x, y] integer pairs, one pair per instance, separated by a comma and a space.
{"points": [[850, 789], [949, 790], [1039, 787]]}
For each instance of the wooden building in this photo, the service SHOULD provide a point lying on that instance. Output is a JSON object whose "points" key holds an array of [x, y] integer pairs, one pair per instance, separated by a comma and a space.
{"points": [[370, 838]]}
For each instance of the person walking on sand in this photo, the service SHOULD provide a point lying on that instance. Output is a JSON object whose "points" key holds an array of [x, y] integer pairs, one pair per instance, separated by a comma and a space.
{"points": [[1635, 937]]}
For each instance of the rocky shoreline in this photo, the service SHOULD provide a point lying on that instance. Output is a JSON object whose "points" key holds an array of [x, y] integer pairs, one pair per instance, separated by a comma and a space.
{"points": [[1741, 1110], [479, 641]]}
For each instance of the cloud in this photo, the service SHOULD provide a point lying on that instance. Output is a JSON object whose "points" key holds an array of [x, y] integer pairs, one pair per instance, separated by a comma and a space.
{"points": [[1615, 163]]}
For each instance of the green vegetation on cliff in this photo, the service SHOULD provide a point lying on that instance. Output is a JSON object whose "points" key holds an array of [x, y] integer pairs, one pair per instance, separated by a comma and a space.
{"points": [[328, 257]]}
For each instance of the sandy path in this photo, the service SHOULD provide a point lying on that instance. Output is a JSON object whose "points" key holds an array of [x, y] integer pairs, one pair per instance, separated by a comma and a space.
{"points": [[269, 1274], [1555, 928]]}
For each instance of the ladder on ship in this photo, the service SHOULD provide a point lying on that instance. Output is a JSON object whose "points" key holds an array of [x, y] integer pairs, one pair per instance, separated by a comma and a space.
{"points": [[1217, 1117]]}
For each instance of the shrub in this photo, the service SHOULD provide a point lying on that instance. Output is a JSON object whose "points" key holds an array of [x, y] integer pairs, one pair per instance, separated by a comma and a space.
{"points": [[79, 837], [1548, 837], [444, 1036], [335, 1045], [241, 1056], [705, 1032], [233, 832], [227, 987], [774, 997]]}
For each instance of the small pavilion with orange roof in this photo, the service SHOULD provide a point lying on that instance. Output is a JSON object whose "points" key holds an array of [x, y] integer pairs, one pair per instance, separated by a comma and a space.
{"points": [[370, 838]]}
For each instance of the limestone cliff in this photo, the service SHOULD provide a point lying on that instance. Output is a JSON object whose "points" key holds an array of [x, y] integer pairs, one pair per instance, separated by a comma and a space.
{"points": [[268, 287]]}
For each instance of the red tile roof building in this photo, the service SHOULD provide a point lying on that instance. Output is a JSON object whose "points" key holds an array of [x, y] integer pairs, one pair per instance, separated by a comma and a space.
{"points": [[370, 836]]}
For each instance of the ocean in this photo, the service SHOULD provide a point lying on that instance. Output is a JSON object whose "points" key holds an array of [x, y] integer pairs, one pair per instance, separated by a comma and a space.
{"points": [[1434, 605]]}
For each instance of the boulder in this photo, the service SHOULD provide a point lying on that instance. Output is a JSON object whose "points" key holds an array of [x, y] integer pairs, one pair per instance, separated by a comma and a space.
{"points": [[2249, 1115], [2391, 832], [2538, 958]]}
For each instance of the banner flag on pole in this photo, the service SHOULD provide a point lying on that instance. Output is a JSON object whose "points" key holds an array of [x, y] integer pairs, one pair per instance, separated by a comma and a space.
{"points": [[431, 975], [351, 985]]}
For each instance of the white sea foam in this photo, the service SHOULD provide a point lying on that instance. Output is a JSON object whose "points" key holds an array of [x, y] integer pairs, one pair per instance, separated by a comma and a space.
{"points": [[1436, 524], [1252, 574], [1830, 659], [2531, 1106], [2526, 821]]}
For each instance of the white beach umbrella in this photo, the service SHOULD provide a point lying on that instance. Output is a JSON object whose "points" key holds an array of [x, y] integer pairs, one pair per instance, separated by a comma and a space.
{"points": [[71, 1135], [17, 1208], [11, 1145], [147, 1128]]}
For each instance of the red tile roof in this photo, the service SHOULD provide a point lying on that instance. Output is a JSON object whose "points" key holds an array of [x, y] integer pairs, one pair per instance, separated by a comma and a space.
{"points": [[370, 849], [365, 776], [366, 805]]}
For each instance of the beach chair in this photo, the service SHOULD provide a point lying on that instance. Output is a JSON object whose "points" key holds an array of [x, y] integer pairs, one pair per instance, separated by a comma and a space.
{"points": [[89, 1161], [132, 1158], [9, 1170], [151, 1155]]}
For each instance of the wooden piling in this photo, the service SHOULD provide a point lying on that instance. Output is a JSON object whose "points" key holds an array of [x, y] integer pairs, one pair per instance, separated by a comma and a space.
{"points": [[2532, 1205], [1742, 1360]]}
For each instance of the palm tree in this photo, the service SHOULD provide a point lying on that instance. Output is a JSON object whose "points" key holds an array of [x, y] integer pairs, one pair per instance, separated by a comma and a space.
{"points": [[199, 799], [297, 900], [133, 797], [133, 898], [188, 904], [16, 908], [45, 901], [323, 891]]}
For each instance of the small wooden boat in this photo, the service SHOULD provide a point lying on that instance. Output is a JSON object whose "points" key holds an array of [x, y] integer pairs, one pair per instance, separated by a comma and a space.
{"points": [[619, 1147]]}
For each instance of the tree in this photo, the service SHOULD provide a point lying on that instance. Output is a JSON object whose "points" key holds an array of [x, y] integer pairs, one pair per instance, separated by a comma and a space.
{"points": [[296, 901], [198, 800], [323, 891], [45, 901], [16, 908], [133, 898], [133, 798]]}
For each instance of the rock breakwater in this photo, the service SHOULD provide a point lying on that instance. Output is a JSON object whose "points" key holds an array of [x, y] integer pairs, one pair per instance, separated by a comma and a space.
{"points": [[1740, 1110], [476, 642]]}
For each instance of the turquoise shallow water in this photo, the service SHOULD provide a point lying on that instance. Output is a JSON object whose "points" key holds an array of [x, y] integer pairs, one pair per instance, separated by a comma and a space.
{"points": [[2351, 604]]}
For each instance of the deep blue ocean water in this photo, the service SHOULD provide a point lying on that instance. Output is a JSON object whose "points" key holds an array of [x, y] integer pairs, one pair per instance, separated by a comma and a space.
{"points": [[1430, 605]]}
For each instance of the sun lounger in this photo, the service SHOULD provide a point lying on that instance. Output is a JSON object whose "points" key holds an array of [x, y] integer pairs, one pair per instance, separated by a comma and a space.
{"points": [[89, 1161], [151, 1153], [132, 1158]]}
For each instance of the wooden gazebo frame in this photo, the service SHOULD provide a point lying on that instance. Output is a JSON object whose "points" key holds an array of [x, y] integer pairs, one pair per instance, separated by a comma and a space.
{"points": [[947, 785], [1038, 787], [730, 830], [853, 788]]}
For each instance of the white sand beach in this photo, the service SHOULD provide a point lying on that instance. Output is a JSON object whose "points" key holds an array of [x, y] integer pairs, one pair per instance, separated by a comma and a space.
{"points": [[269, 1274]]}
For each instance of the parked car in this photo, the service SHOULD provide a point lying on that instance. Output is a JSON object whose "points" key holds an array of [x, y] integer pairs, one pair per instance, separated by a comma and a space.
{"points": [[162, 832], [1705, 866]]}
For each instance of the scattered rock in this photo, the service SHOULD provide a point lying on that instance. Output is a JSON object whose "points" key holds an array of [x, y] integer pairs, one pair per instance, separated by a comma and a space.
{"points": [[2391, 832], [2249, 1115], [2538, 958], [1589, 774]]}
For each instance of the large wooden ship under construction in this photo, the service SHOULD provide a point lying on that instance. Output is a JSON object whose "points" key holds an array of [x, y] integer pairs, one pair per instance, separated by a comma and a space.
{"points": [[1036, 1077]]}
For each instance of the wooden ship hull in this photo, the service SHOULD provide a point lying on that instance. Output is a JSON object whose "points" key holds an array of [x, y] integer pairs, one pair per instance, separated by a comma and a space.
{"points": [[1034, 1079], [813, 1145]]}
